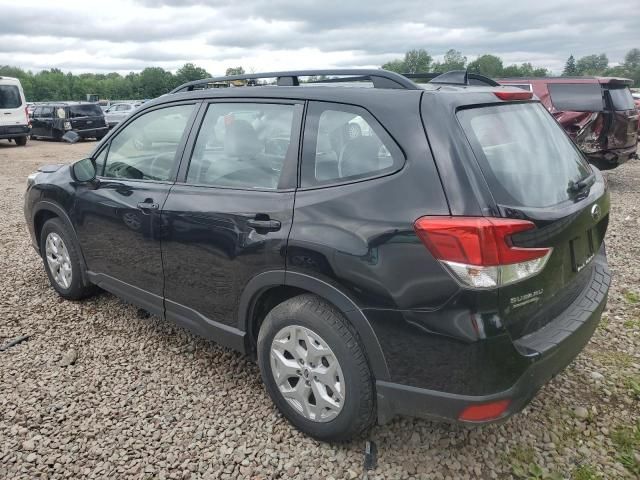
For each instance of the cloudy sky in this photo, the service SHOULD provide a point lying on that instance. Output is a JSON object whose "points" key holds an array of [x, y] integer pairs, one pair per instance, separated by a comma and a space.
{"points": [[128, 35]]}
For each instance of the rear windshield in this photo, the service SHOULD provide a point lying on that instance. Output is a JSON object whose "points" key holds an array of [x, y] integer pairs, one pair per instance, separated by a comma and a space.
{"points": [[576, 97], [85, 111], [9, 96], [526, 157], [621, 98]]}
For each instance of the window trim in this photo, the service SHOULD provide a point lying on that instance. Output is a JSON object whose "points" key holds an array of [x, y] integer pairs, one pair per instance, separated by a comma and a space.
{"points": [[290, 165], [131, 118], [314, 110]]}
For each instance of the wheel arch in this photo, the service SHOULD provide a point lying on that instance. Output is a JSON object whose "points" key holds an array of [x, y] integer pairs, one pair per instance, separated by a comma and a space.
{"points": [[45, 210], [280, 285]]}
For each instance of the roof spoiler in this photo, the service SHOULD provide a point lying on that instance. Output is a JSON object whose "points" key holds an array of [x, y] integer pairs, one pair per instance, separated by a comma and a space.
{"points": [[455, 77]]}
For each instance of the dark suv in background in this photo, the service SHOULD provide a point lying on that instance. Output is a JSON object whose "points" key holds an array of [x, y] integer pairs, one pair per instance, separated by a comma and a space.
{"points": [[431, 250], [597, 112], [53, 120]]}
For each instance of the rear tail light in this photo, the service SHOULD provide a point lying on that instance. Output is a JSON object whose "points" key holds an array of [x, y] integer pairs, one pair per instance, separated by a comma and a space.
{"points": [[478, 251], [26, 113], [484, 412], [509, 96]]}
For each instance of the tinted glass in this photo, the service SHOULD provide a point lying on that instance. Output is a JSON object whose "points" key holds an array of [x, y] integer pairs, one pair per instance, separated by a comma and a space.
{"points": [[344, 143], [9, 96], [146, 148], [577, 97], [242, 145], [47, 112], [84, 111], [526, 157], [621, 99]]}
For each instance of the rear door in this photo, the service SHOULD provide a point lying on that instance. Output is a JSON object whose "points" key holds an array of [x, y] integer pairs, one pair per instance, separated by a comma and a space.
{"points": [[535, 173], [12, 105], [229, 215], [623, 132]]}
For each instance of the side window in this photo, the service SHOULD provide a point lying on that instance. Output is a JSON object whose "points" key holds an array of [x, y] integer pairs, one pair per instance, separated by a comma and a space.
{"points": [[37, 112], [146, 148], [343, 143], [47, 112], [243, 145]]}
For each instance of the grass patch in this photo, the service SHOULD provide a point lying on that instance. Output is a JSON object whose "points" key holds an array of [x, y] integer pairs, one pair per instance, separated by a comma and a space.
{"points": [[613, 357], [631, 297], [523, 466], [627, 442], [633, 384], [585, 472], [604, 323], [632, 323]]}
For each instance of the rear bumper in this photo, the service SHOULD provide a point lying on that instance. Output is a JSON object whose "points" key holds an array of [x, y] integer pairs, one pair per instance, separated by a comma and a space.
{"points": [[548, 351], [14, 131], [93, 132]]}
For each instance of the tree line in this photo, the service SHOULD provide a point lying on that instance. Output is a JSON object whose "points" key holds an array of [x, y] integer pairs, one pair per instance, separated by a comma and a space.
{"points": [[54, 84], [152, 82], [420, 61]]}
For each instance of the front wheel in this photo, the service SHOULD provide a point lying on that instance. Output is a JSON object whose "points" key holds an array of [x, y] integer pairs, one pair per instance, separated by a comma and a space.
{"points": [[62, 261], [315, 369]]}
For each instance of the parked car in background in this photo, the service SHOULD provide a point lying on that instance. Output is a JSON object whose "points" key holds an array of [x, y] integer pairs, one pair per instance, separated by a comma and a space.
{"points": [[396, 250], [53, 120], [598, 113], [14, 118], [117, 112]]}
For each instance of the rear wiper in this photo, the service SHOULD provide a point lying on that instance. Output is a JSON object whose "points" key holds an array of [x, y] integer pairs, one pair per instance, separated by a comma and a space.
{"points": [[580, 185]]}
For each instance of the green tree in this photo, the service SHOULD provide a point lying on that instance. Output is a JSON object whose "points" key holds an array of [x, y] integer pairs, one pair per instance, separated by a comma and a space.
{"points": [[570, 68], [154, 81], [234, 71], [592, 64], [189, 72], [396, 65], [453, 60], [488, 65], [414, 61], [417, 61]]}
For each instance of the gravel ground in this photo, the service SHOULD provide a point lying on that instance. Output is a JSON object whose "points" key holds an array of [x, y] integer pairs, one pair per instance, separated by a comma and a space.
{"points": [[100, 392]]}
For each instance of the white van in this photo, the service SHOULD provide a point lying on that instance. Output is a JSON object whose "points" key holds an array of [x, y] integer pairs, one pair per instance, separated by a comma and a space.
{"points": [[14, 119]]}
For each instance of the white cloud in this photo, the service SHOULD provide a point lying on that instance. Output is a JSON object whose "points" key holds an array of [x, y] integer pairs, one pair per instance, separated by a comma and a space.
{"points": [[128, 35]]}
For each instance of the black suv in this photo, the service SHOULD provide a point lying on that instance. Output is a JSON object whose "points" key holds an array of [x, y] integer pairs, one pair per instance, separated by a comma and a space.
{"points": [[53, 120], [429, 250]]}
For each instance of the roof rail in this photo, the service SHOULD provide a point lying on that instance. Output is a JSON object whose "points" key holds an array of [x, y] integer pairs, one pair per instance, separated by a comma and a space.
{"points": [[455, 77], [379, 78]]}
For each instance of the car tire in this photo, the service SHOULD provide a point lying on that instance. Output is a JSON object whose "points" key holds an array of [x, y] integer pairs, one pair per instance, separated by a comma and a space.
{"points": [[62, 261], [336, 350], [21, 141]]}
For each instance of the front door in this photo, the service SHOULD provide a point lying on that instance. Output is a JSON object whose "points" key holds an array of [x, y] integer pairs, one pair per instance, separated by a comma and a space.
{"points": [[118, 220], [228, 217]]}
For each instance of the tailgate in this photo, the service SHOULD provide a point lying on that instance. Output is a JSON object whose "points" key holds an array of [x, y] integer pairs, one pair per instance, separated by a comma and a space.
{"points": [[536, 174], [623, 129]]}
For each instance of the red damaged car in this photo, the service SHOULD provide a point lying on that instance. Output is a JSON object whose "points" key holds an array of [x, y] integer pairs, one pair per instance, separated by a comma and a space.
{"points": [[598, 113]]}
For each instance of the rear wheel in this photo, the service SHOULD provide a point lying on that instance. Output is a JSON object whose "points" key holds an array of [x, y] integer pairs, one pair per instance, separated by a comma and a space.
{"points": [[61, 259], [315, 370], [21, 141]]}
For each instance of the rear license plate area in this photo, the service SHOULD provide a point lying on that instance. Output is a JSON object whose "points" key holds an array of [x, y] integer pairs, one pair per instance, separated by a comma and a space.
{"points": [[582, 250]]}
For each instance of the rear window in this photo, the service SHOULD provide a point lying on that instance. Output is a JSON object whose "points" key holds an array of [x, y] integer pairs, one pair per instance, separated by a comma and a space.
{"points": [[9, 96], [621, 98], [526, 157], [576, 97], [84, 111]]}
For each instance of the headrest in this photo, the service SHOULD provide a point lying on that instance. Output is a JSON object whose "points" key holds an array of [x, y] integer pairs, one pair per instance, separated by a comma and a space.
{"points": [[241, 140], [359, 155]]}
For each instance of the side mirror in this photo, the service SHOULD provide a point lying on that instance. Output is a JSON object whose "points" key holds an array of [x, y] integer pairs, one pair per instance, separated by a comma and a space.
{"points": [[84, 171]]}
